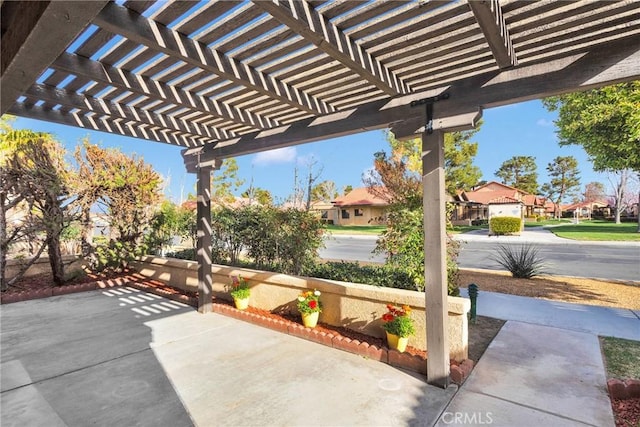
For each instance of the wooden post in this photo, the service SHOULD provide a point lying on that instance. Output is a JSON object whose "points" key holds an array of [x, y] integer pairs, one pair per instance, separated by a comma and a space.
{"points": [[435, 258], [203, 255]]}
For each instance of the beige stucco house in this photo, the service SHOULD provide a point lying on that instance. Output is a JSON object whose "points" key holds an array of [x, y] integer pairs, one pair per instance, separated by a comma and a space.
{"points": [[360, 207]]}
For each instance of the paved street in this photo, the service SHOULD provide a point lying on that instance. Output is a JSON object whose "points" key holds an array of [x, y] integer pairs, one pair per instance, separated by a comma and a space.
{"points": [[617, 260]]}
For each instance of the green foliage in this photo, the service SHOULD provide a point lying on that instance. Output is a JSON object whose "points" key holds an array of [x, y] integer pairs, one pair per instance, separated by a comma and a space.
{"points": [[116, 255], [520, 172], [522, 261], [500, 225], [260, 195], [376, 275], [225, 182], [163, 227], [403, 243], [288, 238], [239, 288], [564, 179], [605, 122], [309, 302], [188, 254], [324, 191], [459, 152], [397, 321]]}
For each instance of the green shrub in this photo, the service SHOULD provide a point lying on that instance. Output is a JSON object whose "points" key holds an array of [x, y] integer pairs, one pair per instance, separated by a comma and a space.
{"points": [[500, 225], [188, 254], [522, 261], [376, 275]]}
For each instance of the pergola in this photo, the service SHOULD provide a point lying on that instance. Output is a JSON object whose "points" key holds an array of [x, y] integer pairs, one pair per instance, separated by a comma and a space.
{"points": [[233, 77]]}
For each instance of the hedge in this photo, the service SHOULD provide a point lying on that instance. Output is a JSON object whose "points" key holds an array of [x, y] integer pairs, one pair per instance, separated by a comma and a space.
{"points": [[500, 225]]}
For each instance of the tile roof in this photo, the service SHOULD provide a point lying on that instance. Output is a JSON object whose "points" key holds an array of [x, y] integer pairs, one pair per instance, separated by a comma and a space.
{"points": [[360, 197]]}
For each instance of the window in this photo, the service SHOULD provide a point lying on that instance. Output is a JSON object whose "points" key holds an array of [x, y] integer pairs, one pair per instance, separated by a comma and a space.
{"points": [[345, 213], [358, 212]]}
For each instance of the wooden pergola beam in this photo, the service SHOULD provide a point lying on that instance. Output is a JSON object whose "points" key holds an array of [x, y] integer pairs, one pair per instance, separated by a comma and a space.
{"points": [[301, 17], [606, 64], [98, 123], [137, 28], [35, 36], [410, 129], [123, 79], [124, 112], [489, 15]]}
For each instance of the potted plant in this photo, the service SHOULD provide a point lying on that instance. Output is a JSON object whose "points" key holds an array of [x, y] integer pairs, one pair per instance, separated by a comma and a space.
{"points": [[399, 326], [240, 292], [310, 307]]}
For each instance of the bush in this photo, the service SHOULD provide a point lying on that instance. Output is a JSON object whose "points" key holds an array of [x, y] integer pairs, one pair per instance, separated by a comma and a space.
{"points": [[523, 262], [479, 222], [376, 275], [188, 254], [500, 225]]}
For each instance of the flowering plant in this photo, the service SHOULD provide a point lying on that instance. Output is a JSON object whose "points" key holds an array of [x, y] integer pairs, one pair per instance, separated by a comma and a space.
{"points": [[397, 321], [239, 288], [309, 302]]}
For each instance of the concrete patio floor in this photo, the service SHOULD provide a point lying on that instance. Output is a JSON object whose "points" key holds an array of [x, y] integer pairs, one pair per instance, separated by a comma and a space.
{"points": [[124, 357]]}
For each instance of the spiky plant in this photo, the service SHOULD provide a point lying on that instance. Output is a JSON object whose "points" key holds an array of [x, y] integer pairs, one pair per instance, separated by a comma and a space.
{"points": [[523, 261]]}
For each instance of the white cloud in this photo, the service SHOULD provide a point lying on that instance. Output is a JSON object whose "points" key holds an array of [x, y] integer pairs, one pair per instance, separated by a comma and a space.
{"points": [[544, 122], [279, 155]]}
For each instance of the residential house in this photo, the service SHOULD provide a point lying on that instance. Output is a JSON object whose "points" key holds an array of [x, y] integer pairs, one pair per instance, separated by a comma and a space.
{"points": [[327, 211], [487, 200], [360, 207], [587, 210]]}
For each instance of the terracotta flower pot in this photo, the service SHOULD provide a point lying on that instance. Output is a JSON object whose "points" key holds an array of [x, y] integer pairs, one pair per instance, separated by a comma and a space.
{"points": [[397, 343], [310, 320]]}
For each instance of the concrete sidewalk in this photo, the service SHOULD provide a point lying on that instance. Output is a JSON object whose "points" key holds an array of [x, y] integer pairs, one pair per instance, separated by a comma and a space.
{"points": [[534, 376], [605, 321], [123, 357], [534, 235]]}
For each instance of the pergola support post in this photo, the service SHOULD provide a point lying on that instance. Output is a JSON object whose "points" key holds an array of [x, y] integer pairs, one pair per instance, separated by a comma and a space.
{"points": [[203, 254], [435, 261]]}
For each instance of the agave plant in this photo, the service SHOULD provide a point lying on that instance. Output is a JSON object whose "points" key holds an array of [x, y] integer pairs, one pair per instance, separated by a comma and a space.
{"points": [[522, 261]]}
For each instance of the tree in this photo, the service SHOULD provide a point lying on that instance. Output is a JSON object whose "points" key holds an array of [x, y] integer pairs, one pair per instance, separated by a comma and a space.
{"points": [[619, 181], [403, 241], [605, 122], [225, 182], [520, 172], [565, 179], [33, 172], [459, 152], [126, 189], [347, 189], [393, 181], [258, 194], [594, 192], [324, 191]]}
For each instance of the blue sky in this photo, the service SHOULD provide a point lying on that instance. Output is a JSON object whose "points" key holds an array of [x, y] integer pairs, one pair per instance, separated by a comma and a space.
{"points": [[521, 129]]}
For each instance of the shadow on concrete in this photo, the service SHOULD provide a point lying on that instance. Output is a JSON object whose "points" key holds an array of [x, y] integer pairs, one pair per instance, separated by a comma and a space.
{"points": [[86, 359]]}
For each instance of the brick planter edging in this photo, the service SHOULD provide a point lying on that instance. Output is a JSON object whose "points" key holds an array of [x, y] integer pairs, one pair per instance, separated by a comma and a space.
{"points": [[458, 372], [628, 389], [65, 289]]}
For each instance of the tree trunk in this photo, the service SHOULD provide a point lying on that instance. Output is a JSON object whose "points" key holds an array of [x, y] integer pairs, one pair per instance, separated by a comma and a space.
{"points": [[86, 233], [3, 246], [55, 259]]}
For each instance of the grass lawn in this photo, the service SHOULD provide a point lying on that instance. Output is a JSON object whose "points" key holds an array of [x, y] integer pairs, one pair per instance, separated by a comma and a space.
{"points": [[598, 230], [547, 222], [355, 229], [622, 357], [458, 229]]}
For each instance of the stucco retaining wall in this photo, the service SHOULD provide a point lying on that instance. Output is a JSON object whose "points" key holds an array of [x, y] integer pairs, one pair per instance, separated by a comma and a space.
{"points": [[355, 306], [41, 265]]}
